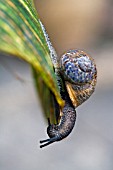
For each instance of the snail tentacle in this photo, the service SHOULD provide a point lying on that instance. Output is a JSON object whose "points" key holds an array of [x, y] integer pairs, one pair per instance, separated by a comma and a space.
{"points": [[47, 142]]}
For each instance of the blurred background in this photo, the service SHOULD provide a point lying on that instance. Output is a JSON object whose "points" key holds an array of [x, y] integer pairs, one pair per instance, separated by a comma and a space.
{"points": [[70, 24]]}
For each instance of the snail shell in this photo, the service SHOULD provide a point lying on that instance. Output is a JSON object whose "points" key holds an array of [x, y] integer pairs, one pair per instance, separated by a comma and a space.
{"points": [[80, 75]]}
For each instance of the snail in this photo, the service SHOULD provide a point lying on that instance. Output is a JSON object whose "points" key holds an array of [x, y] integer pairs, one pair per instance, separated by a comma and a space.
{"points": [[78, 75]]}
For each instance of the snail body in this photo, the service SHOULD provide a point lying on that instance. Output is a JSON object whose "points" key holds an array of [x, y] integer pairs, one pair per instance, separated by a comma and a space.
{"points": [[77, 71], [63, 129]]}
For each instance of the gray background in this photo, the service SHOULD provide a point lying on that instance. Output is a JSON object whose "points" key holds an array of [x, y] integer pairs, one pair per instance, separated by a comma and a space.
{"points": [[22, 125]]}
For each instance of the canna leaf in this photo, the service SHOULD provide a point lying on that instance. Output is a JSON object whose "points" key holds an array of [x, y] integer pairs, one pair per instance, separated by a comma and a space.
{"points": [[21, 35]]}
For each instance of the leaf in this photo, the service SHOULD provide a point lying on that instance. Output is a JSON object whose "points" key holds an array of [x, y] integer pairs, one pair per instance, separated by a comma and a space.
{"points": [[46, 97], [21, 35]]}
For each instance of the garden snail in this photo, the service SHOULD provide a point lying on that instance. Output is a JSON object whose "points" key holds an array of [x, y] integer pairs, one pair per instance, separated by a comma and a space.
{"points": [[78, 73]]}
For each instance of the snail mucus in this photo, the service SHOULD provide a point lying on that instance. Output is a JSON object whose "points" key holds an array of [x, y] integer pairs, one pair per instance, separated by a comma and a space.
{"points": [[77, 70]]}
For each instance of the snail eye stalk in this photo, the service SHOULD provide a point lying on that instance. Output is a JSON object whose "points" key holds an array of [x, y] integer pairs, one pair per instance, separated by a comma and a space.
{"points": [[47, 142]]}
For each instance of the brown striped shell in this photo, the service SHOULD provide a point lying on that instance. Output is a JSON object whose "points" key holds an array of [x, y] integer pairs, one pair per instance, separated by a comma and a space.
{"points": [[80, 75]]}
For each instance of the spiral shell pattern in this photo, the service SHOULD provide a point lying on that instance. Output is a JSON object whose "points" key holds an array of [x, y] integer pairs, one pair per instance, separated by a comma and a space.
{"points": [[80, 73], [77, 67]]}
